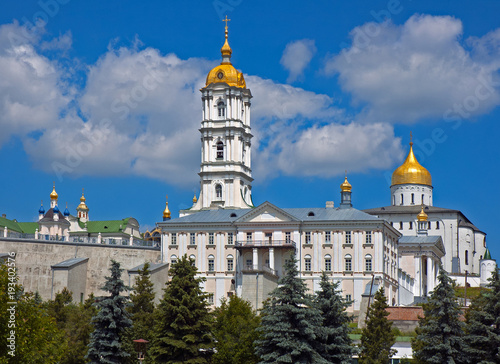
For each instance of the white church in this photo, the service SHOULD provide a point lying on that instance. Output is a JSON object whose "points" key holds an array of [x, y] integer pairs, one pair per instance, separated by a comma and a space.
{"points": [[240, 248]]}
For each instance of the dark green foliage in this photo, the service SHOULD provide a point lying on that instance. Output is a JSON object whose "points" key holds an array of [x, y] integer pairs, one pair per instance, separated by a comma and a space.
{"points": [[440, 335], [37, 338], [290, 322], [183, 323], [141, 311], [235, 332], [377, 337], [110, 322], [483, 325], [335, 346]]}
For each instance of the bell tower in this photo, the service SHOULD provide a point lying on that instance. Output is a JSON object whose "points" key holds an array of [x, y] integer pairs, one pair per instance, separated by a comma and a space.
{"points": [[225, 174]]}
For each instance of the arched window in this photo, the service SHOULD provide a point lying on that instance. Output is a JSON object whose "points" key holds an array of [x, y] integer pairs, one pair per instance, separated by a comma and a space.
{"points": [[348, 263], [368, 263], [422, 198], [192, 258], [211, 263], [220, 150], [221, 107], [218, 191], [173, 259], [230, 263], [328, 263], [307, 263], [402, 200]]}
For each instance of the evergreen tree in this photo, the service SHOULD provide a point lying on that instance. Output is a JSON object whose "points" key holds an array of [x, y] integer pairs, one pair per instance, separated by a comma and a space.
{"points": [[336, 345], [290, 322], [110, 321], [440, 335], [483, 325], [235, 332], [183, 322], [141, 311], [377, 337]]}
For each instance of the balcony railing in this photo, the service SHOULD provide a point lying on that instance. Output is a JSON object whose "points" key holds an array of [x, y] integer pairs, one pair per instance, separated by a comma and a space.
{"points": [[265, 269], [265, 244]]}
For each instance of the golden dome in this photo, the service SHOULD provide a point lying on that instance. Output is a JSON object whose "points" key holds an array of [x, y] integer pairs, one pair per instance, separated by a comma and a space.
{"points": [[422, 216], [346, 186], [82, 205], [166, 212], [53, 194], [225, 72], [411, 172]]}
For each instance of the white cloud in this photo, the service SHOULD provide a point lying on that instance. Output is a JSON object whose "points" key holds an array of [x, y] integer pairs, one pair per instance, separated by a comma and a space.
{"points": [[417, 70], [297, 56], [63, 43]]}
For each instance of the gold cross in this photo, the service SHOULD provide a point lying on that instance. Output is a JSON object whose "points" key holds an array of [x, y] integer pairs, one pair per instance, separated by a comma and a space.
{"points": [[226, 20], [411, 137]]}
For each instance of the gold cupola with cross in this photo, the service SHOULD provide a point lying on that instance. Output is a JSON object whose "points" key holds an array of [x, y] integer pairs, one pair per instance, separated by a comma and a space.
{"points": [[411, 183], [225, 72]]}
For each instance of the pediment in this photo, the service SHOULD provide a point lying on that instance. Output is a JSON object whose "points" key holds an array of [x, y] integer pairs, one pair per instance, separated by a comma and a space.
{"points": [[267, 213]]}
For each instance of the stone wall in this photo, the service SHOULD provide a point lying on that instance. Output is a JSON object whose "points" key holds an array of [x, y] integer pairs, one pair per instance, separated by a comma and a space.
{"points": [[34, 259]]}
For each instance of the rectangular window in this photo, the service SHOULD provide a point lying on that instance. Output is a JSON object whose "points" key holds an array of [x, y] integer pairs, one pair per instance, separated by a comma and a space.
{"points": [[249, 237], [368, 265], [410, 225], [192, 239], [348, 299], [211, 299], [211, 265], [307, 265], [230, 238], [348, 264], [368, 237], [308, 237], [328, 264], [437, 225], [288, 237], [211, 238], [428, 225], [173, 239], [348, 237], [230, 264], [400, 225], [249, 263], [328, 237]]}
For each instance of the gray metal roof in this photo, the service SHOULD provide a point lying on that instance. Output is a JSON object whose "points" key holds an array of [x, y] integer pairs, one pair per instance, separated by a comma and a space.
{"points": [[415, 209], [429, 239], [152, 267], [300, 213], [70, 263]]}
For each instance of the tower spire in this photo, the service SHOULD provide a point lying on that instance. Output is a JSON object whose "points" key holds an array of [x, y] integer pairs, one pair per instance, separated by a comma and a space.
{"points": [[226, 49]]}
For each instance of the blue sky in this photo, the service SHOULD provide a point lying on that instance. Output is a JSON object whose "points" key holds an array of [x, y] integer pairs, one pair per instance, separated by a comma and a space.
{"points": [[104, 96]]}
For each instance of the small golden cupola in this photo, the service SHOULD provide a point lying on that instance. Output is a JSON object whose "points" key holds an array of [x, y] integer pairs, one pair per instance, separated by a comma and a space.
{"points": [[346, 186], [422, 216], [195, 200], [166, 212], [411, 172], [53, 196], [345, 194], [82, 209], [225, 72]]}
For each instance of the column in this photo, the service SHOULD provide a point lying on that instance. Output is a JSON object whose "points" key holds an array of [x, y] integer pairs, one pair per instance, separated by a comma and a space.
{"points": [[335, 255], [429, 275], [418, 275], [271, 258], [255, 260], [433, 275]]}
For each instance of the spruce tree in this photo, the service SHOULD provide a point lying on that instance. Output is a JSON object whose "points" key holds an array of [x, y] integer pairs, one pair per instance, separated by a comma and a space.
{"points": [[110, 322], [235, 332], [483, 325], [440, 335], [377, 337], [183, 322], [290, 323], [336, 345], [141, 310]]}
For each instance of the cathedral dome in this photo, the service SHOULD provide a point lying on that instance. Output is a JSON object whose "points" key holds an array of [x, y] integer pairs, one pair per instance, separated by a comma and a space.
{"points": [[225, 72], [53, 194], [411, 172]]}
